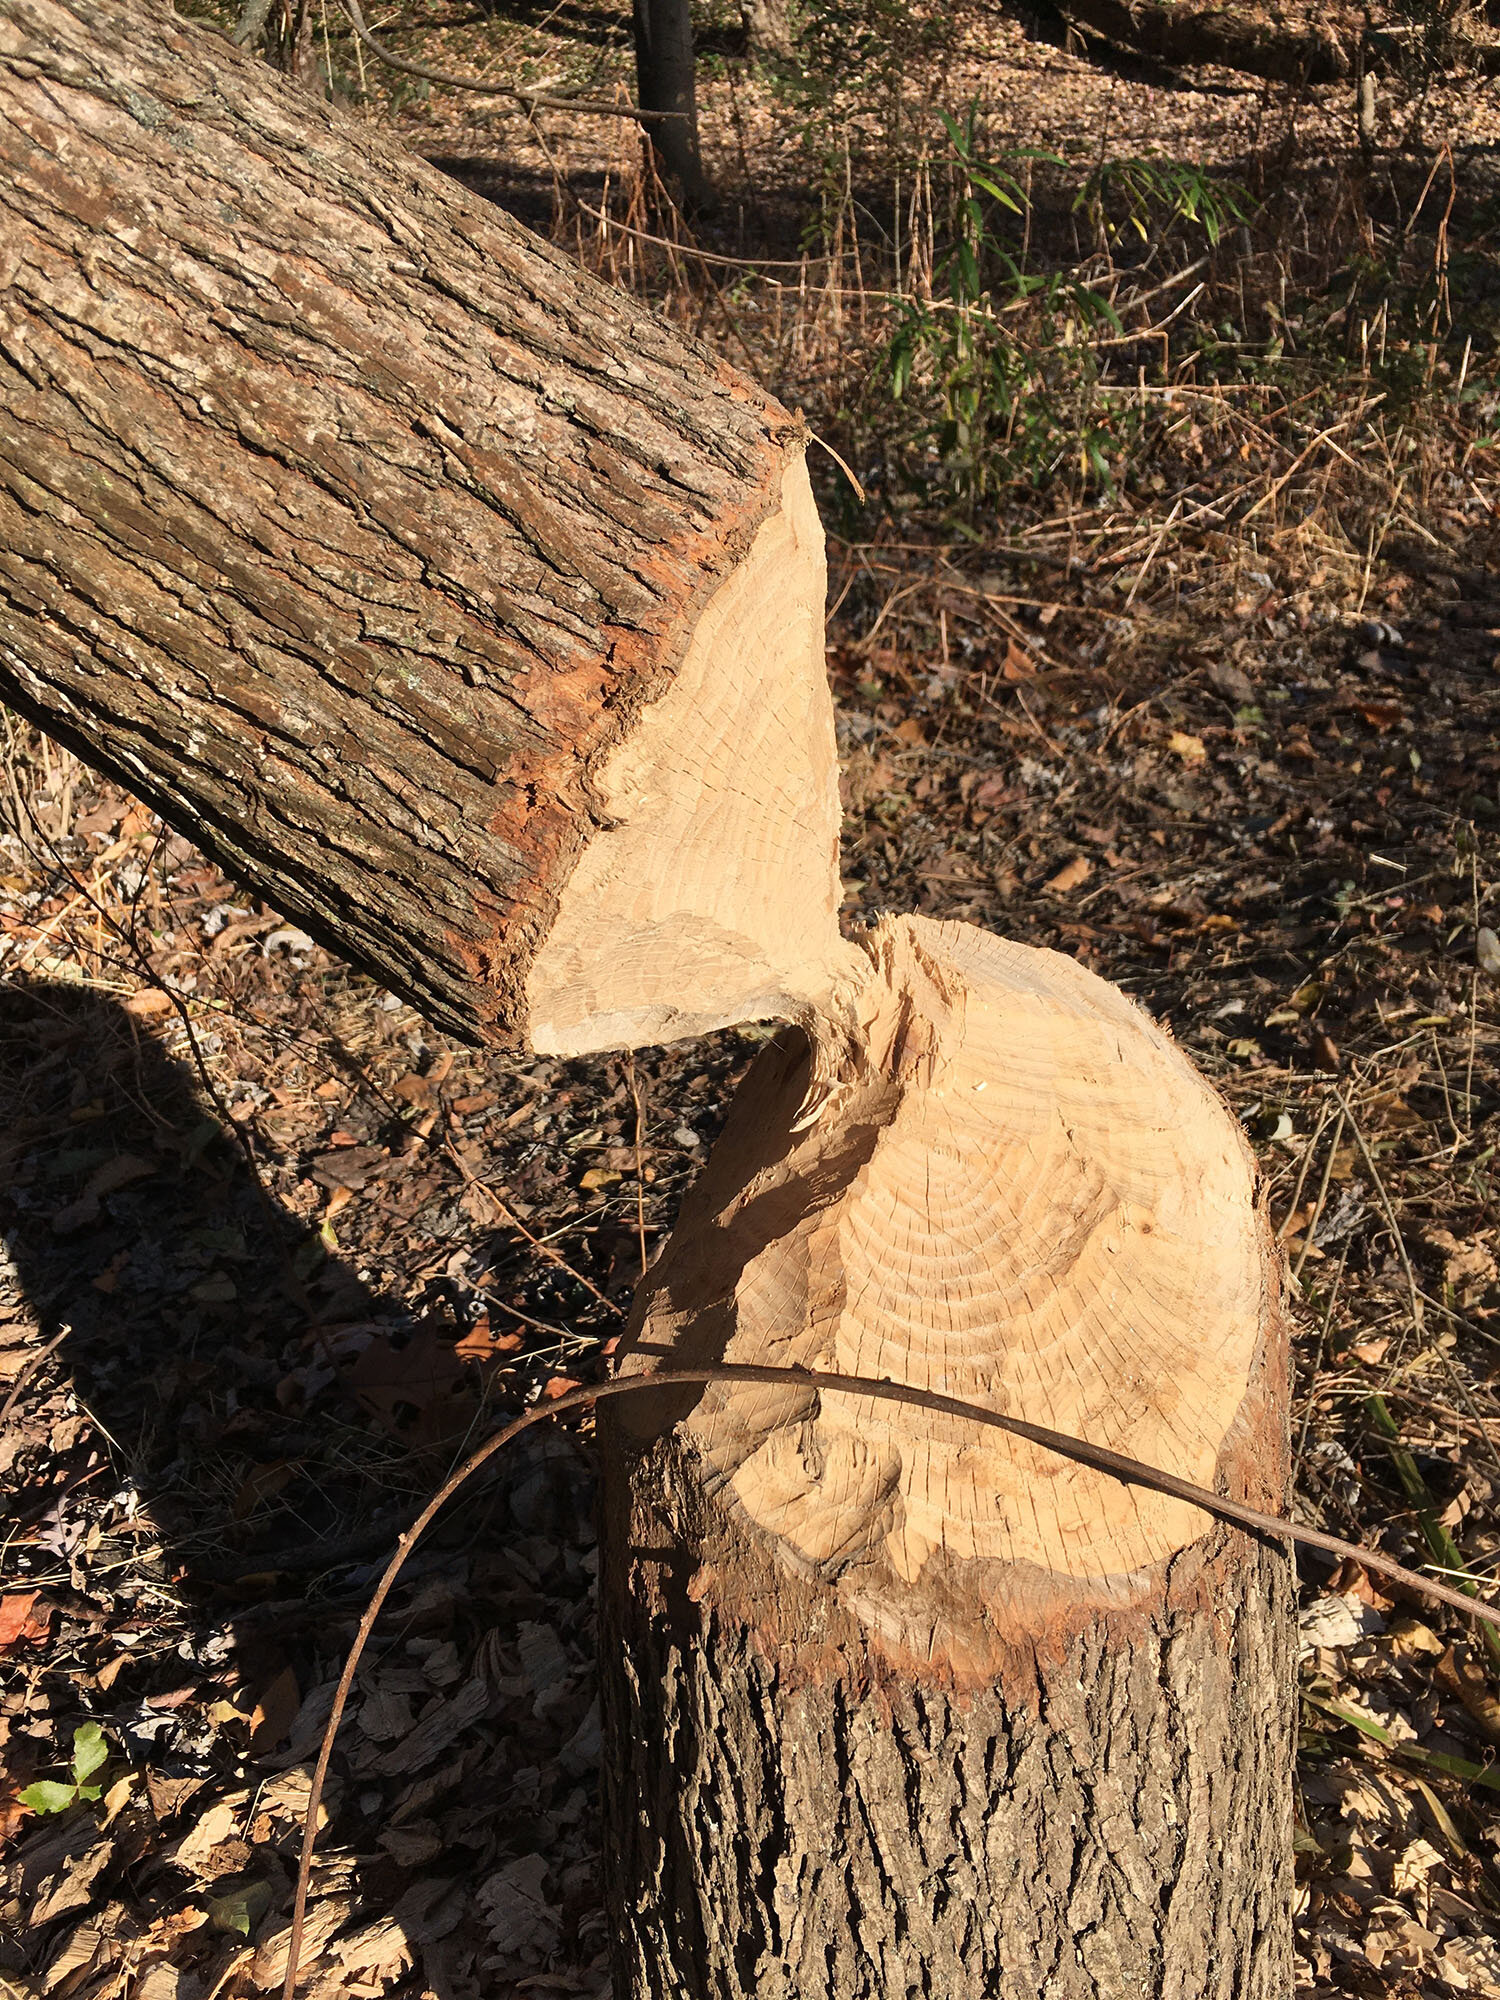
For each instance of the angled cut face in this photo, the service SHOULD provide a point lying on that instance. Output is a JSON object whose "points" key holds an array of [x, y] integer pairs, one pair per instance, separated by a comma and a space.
{"points": [[1025, 1196], [712, 894]]}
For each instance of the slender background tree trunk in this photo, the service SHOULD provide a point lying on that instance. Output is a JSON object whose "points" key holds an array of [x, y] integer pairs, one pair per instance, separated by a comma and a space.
{"points": [[666, 81], [768, 27]]}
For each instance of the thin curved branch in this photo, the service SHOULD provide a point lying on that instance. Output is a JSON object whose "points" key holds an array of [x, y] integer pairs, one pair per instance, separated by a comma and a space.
{"points": [[533, 100], [703, 256], [1098, 1456]]}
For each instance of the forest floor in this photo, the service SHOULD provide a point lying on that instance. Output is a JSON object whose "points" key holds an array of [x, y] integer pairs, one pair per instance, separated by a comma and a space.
{"points": [[1227, 729]]}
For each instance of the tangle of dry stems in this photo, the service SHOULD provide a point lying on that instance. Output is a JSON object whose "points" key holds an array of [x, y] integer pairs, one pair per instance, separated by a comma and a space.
{"points": [[533, 100]]}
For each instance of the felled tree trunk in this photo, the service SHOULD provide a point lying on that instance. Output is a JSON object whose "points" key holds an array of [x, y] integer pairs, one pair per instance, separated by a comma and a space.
{"points": [[908, 1708], [449, 597], [1187, 37], [475, 619]]}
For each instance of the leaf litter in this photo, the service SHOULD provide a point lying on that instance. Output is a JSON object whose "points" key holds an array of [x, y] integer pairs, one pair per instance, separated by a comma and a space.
{"points": [[249, 1401], [1221, 780]]}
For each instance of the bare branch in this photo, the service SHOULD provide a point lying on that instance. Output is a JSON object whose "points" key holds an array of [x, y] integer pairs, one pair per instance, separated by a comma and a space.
{"points": [[532, 100]]}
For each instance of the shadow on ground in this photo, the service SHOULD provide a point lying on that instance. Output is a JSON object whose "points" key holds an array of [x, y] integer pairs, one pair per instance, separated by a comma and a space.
{"points": [[205, 1475]]}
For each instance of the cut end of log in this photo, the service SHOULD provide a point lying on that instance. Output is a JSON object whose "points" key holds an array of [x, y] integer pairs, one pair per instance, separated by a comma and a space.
{"points": [[1021, 1193], [711, 895]]}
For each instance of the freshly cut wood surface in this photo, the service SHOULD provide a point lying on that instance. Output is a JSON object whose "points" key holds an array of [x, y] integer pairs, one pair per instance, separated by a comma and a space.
{"points": [[1024, 1195], [712, 894], [357, 529]]}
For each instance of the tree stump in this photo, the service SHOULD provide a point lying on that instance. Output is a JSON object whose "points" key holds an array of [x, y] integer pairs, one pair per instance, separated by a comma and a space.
{"points": [[896, 1705], [474, 618]]}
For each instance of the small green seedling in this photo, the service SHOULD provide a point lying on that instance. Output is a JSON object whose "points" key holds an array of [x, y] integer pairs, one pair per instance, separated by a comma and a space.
{"points": [[90, 1753]]}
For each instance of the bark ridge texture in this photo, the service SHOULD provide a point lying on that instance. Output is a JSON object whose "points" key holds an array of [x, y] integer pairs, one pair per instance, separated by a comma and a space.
{"points": [[1109, 1821], [896, 1707], [340, 517]]}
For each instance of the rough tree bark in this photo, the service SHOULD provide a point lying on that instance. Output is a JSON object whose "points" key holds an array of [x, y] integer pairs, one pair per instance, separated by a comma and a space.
{"points": [[475, 618], [348, 522]]}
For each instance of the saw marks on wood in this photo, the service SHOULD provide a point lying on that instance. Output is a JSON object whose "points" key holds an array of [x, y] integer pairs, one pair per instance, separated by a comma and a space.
{"points": [[1026, 1197], [712, 895]]}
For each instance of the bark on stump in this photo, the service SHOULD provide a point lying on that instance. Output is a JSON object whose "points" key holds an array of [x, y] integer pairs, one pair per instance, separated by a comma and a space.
{"points": [[475, 619]]}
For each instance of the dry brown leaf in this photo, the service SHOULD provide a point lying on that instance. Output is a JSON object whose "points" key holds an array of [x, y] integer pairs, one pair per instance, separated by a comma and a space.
{"points": [[147, 1002], [412, 1846], [1413, 1865], [117, 1173], [195, 1850], [482, 1343], [117, 1798], [1409, 1637], [1461, 1676], [1381, 715], [262, 1482], [21, 1623], [1351, 1579], [1468, 1264], [275, 1711], [421, 1392], [521, 1918], [347, 1164], [992, 791], [106, 1179], [1071, 874], [386, 1715], [72, 1887], [443, 1723], [169, 1795]]}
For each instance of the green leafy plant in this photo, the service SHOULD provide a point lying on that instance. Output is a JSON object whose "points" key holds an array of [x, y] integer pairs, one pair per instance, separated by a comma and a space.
{"points": [[1146, 197], [1000, 353], [90, 1754]]}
